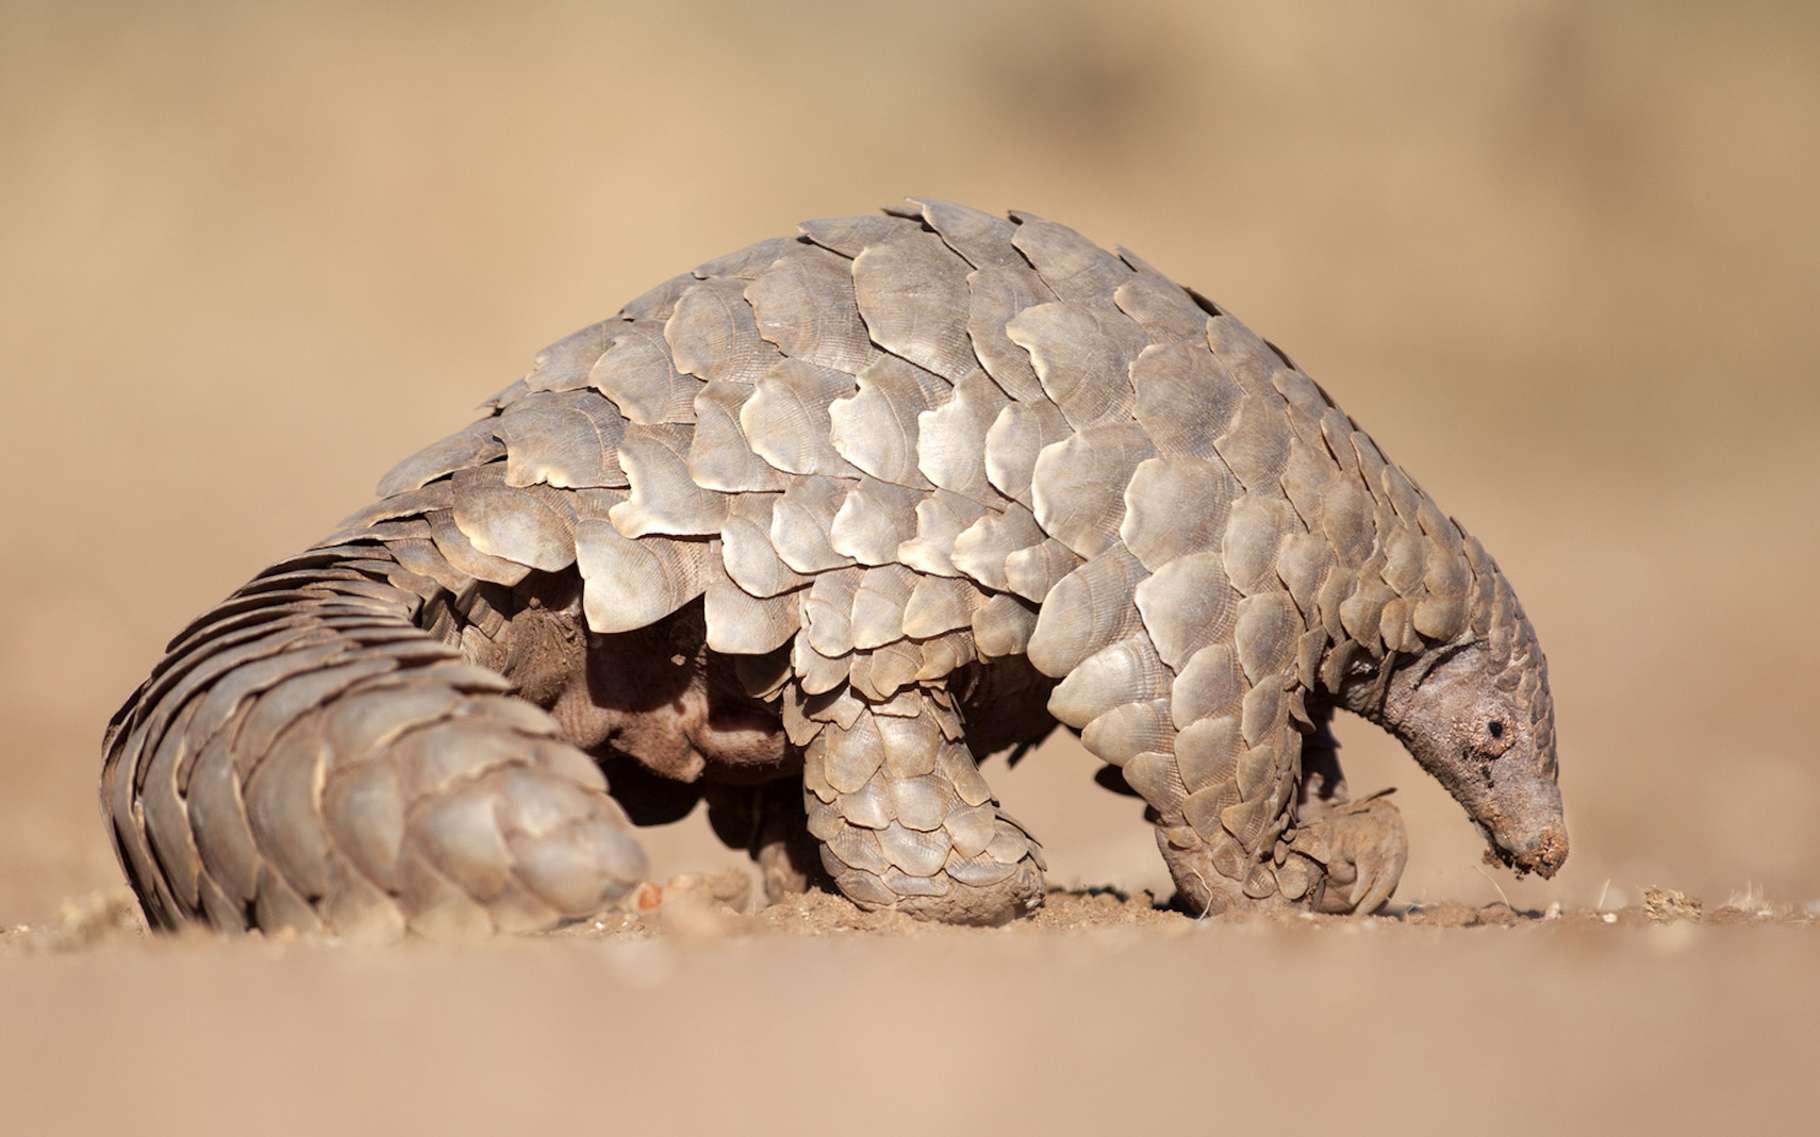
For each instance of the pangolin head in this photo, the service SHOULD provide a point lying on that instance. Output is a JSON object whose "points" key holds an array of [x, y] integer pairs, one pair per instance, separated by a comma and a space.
{"points": [[1477, 714]]}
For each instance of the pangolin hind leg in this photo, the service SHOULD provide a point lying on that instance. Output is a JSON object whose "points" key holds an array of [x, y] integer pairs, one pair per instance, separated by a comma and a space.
{"points": [[768, 823], [905, 819]]}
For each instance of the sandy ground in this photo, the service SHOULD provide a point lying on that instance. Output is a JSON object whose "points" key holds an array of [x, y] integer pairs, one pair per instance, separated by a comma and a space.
{"points": [[1100, 1016], [1559, 258]]}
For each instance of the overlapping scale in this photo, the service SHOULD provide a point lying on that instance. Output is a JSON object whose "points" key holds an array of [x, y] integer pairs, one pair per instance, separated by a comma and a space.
{"points": [[472, 445], [877, 610], [951, 438], [849, 236], [1073, 267], [1078, 488], [532, 526], [1187, 605], [713, 334], [630, 583], [1184, 399], [1087, 610], [564, 365], [719, 455], [569, 440], [941, 517], [912, 293], [982, 550], [1083, 370], [873, 521], [1014, 441], [998, 294], [982, 238], [1176, 506], [804, 303], [665, 499], [637, 373], [750, 559], [1127, 671], [876, 428], [802, 523], [786, 418]]}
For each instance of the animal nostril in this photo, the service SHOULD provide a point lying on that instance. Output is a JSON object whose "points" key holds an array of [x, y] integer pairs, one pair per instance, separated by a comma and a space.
{"points": [[1552, 852]]}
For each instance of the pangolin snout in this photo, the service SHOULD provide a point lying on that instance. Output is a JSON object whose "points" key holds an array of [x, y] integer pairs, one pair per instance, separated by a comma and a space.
{"points": [[1542, 853]]}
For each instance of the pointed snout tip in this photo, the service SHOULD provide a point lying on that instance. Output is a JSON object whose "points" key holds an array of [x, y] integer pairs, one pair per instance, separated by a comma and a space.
{"points": [[1544, 854]]}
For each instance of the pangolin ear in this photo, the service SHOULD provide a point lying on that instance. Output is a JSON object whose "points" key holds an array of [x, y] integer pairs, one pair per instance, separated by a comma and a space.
{"points": [[1440, 662]]}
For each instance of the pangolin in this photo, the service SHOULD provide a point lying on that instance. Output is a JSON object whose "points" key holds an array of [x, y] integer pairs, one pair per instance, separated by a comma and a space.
{"points": [[808, 531]]}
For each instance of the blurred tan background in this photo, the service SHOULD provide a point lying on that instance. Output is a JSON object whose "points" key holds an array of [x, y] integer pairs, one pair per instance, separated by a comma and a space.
{"points": [[1560, 258]]}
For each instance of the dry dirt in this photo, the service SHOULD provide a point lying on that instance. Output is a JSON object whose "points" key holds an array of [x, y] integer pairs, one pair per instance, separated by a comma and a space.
{"points": [[1560, 258], [1101, 1015]]}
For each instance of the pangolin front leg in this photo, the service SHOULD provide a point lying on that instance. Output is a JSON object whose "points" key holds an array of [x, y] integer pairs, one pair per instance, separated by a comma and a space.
{"points": [[1358, 849], [904, 817], [1326, 852]]}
